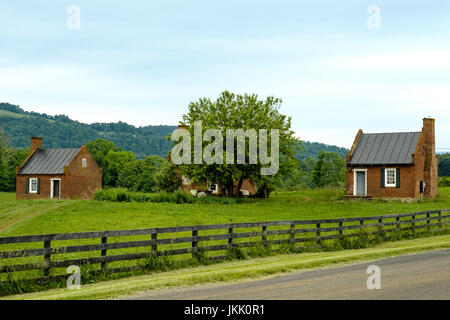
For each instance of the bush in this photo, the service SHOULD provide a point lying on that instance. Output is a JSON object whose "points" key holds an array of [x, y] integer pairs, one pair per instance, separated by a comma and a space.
{"points": [[168, 178], [179, 197], [236, 253], [444, 182], [161, 262]]}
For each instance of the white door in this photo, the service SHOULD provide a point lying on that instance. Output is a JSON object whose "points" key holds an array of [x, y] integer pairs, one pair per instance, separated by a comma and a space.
{"points": [[360, 180]]}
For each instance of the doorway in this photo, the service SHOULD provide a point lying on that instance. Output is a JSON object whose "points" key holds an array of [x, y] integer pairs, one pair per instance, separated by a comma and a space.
{"points": [[360, 188], [55, 188]]}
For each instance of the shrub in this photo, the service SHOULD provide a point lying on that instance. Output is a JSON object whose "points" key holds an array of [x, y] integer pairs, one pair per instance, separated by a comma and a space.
{"points": [[179, 197], [200, 256], [168, 179], [259, 250], [444, 182], [236, 253], [161, 262]]}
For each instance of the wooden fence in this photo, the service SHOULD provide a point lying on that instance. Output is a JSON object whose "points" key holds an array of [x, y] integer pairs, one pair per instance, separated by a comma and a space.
{"points": [[319, 230]]}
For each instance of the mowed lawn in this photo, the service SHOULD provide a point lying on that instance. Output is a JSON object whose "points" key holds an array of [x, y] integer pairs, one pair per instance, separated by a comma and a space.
{"points": [[26, 217]]}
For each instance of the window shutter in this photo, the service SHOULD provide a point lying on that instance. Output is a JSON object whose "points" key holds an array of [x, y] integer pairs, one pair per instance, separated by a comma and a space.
{"points": [[27, 188], [398, 178], [383, 180], [38, 185]]}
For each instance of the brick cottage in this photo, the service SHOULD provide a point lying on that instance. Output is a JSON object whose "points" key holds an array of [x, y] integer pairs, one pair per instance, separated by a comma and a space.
{"points": [[394, 165], [57, 173]]}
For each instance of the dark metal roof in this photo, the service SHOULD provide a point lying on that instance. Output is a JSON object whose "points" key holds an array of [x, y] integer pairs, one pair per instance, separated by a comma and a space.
{"points": [[48, 161], [385, 148]]}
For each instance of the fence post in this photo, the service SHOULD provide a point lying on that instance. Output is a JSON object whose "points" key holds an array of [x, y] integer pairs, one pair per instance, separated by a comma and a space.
{"points": [[428, 222], [104, 252], [413, 217], [440, 219], [230, 239], [292, 233], [318, 234], [397, 223], [264, 235], [194, 241], [380, 226], [155, 245], [340, 228], [47, 245]]}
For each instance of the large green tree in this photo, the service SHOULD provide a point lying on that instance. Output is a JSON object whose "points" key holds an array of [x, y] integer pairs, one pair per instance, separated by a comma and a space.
{"points": [[444, 165], [140, 175], [300, 176], [116, 161], [4, 155], [99, 150], [329, 170], [168, 178], [247, 112], [10, 159]]}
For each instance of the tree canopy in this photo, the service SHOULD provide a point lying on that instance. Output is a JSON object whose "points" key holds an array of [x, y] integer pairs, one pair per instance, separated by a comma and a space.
{"points": [[10, 159], [444, 164], [247, 112], [329, 170]]}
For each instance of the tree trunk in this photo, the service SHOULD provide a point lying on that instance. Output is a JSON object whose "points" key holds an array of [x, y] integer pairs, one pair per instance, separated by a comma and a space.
{"points": [[223, 191], [228, 190], [239, 187]]}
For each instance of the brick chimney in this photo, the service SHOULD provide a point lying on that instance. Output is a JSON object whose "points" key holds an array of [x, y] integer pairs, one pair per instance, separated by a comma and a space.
{"points": [[35, 143], [431, 162]]}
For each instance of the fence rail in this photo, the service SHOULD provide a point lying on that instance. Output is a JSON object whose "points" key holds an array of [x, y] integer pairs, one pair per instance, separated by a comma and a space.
{"points": [[319, 232]]}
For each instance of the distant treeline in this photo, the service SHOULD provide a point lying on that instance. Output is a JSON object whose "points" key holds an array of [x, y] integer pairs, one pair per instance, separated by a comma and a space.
{"points": [[444, 164], [134, 158], [121, 168], [312, 150], [61, 132]]}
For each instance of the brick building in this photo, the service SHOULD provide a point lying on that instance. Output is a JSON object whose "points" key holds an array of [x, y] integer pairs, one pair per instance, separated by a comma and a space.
{"points": [[57, 173], [394, 165], [248, 188]]}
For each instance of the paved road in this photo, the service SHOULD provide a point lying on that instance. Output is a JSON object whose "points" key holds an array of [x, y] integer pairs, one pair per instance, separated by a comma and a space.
{"points": [[418, 276]]}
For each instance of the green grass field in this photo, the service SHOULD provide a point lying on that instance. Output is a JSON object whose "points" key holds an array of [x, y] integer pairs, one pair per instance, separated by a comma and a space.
{"points": [[25, 217], [33, 217]]}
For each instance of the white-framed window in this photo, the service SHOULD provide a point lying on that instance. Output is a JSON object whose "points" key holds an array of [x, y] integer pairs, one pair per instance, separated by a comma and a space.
{"points": [[185, 180], [391, 178], [33, 185], [83, 162], [213, 186]]}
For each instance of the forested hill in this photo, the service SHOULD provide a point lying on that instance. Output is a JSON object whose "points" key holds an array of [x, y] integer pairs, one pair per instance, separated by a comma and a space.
{"points": [[312, 149], [61, 132]]}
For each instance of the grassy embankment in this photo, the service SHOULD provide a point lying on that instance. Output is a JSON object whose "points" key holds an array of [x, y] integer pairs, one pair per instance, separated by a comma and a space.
{"points": [[59, 216]]}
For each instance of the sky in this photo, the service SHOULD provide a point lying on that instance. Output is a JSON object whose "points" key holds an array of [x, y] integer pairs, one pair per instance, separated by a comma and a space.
{"points": [[336, 65]]}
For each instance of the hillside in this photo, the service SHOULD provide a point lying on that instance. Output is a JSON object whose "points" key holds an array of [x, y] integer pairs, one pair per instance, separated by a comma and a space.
{"points": [[312, 149], [60, 131]]}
